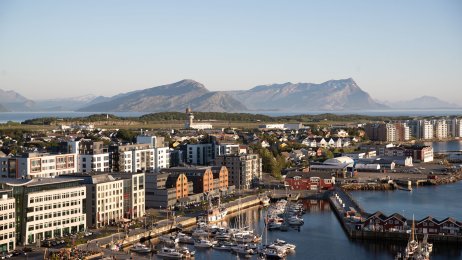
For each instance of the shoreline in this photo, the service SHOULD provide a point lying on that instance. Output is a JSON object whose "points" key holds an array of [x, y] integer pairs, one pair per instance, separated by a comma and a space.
{"points": [[447, 179]]}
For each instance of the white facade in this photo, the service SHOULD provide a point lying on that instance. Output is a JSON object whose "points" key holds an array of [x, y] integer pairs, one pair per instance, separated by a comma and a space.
{"points": [[7, 223], [189, 124], [143, 160], [93, 162], [108, 202], [161, 158], [39, 165], [272, 126], [54, 213], [441, 129], [226, 149], [391, 133], [427, 130]]}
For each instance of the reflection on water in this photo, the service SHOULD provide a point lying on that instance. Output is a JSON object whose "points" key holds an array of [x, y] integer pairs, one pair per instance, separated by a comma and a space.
{"points": [[321, 237]]}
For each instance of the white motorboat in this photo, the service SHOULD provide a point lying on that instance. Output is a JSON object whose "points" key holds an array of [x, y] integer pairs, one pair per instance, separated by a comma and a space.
{"points": [[203, 243], [169, 253], [223, 236], [169, 239], [221, 246], [242, 249], [186, 252], [280, 242], [140, 248], [295, 221], [185, 239], [274, 225], [199, 232]]}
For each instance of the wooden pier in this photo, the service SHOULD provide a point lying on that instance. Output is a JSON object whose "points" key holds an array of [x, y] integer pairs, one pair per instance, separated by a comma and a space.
{"points": [[342, 203]]}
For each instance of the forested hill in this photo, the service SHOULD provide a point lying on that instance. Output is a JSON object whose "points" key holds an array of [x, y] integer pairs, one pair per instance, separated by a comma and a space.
{"points": [[216, 116]]}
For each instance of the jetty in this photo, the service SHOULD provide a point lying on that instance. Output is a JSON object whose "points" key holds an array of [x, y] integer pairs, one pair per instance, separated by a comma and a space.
{"points": [[361, 225]]}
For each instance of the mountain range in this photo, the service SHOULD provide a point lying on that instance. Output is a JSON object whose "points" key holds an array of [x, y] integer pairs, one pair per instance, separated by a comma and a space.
{"points": [[332, 95], [424, 102]]}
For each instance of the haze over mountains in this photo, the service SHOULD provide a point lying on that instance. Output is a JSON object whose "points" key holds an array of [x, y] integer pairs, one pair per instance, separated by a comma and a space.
{"points": [[332, 95]]}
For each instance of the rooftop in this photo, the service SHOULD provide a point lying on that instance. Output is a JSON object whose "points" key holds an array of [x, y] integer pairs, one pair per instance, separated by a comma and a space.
{"points": [[35, 182]]}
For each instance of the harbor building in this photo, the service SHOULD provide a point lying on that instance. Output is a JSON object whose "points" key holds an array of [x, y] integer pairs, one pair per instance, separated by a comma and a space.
{"points": [[165, 190], [8, 220], [46, 207]]}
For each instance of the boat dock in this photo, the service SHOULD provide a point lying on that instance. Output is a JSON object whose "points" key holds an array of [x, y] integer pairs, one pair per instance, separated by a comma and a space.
{"points": [[352, 216]]}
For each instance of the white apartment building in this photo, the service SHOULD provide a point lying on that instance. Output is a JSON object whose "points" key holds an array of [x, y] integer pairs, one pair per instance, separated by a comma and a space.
{"points": [[427, 130], [34, 165], [161, 158], [406, 132], [226, 149], [113, 197], [391, 133], [47, 208], [441, 129], [133, 158], [104, 199], [93, 162], [134, 194], [7, 221]]}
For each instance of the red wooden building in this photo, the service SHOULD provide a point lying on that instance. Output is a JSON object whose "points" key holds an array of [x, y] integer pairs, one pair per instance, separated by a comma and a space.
{"points": [[312, 180]]}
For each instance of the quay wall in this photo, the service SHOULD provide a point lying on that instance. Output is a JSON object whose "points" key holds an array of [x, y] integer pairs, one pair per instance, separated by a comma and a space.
{"points": [[401, 236], [244, 205], [184, 222]]}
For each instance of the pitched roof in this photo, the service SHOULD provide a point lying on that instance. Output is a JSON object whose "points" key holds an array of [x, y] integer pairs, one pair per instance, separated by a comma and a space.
{"points": [[377, 214]]}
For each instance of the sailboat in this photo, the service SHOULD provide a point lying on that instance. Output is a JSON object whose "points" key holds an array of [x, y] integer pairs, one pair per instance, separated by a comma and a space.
{"points": [[414, 249], [216, 213]]}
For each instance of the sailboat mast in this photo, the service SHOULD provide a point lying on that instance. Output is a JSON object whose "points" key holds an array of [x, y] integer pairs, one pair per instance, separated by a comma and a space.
{"points": [[413, 228]]}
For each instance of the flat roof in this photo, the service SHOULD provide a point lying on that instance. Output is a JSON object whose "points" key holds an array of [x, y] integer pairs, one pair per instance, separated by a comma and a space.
{"points": [[36, 181]]}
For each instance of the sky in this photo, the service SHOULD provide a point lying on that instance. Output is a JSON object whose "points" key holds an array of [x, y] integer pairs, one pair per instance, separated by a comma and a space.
{"points": [[394, 50]]}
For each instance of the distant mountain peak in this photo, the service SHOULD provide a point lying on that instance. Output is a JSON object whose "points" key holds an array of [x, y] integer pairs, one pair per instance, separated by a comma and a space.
{"points": [[423, 102], [330, 95], [170, 97]]}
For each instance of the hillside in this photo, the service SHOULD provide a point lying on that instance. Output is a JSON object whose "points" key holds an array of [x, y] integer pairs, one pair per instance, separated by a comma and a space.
{"points": [[172, 97], [331, 95]]}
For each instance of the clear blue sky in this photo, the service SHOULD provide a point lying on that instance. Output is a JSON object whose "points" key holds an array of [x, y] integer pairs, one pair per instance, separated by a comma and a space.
{"points": [[393, 49]]}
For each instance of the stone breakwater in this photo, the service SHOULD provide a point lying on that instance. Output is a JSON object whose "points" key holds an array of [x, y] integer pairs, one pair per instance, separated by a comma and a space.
{"points": [[367, 186], [446, 179]]}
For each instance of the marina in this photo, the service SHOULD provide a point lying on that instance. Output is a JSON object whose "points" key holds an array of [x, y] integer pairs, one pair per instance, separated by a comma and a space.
{"points": [[322, 229]]}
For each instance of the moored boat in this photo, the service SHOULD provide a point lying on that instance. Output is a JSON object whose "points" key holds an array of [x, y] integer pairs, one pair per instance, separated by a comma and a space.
{"points": [[140, 248]]}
